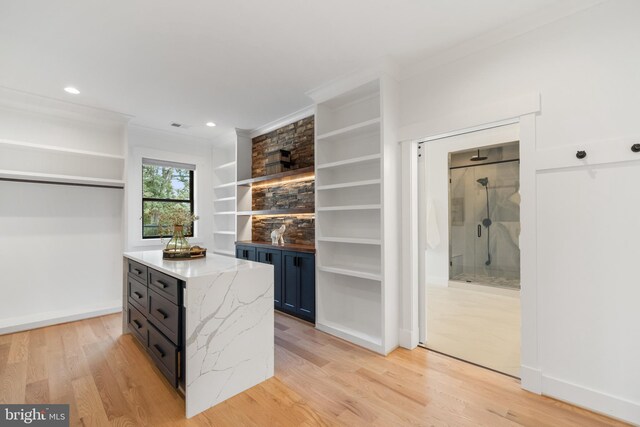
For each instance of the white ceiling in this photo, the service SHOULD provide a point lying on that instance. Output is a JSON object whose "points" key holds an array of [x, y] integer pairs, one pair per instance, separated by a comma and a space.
{"points": [[239, 63]]}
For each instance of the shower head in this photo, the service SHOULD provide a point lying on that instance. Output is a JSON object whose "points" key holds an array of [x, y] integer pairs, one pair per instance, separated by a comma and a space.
{"points": [[478, 157], [483, 181]]}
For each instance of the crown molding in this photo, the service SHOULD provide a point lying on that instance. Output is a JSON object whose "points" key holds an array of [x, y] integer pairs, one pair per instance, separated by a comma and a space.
{"points": [[283, 121], [31, 103], [512, 30], [384, 67]]}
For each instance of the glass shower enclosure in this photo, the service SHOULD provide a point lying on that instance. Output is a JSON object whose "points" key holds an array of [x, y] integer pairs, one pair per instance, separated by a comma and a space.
{"points": [[484, 216]]}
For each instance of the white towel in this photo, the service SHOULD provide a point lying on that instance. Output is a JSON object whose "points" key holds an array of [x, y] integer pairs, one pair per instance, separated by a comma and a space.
{"points": [[433, 233]]}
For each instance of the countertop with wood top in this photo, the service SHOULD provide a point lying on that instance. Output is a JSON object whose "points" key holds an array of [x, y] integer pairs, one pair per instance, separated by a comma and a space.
{"points": [[295, 247]]}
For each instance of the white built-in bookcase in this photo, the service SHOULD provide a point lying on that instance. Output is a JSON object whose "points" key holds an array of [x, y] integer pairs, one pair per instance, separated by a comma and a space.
{"points": [[357, 216], [229, 166]]}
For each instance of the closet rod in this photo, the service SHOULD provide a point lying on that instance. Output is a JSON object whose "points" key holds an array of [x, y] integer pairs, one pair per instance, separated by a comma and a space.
{"points": [[34, 181]]}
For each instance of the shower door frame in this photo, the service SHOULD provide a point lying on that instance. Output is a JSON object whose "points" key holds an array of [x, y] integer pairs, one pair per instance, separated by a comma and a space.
{"points": [[478, 282]]}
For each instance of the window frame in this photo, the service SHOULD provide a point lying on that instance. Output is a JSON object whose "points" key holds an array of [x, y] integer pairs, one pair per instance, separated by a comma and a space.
{"points": [[191, 202]]}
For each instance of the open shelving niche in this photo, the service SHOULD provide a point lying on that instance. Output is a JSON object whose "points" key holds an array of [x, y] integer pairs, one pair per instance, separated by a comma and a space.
{"points": [[357, 290], [46, 163], [225, 177]]}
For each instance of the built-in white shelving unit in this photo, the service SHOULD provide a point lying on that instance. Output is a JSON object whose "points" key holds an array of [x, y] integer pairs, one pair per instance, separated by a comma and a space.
{"points": [[357, 218], [224, 194], [231, 163], [59, 164]]}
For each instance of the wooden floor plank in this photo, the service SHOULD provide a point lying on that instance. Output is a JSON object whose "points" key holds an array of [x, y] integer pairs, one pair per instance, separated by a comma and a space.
{"points": [[320, 380]]}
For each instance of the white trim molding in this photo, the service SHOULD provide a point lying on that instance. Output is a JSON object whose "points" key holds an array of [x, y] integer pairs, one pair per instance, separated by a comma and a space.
{"points": [[282, 121], [613, 406], [40, 320]]}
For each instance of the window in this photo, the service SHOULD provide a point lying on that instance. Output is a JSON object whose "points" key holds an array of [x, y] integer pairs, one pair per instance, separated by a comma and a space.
{"points": [[166, 186]]}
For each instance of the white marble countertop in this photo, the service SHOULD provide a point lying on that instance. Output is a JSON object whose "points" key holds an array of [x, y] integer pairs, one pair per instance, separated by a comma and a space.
{"points": [[184, 270]]}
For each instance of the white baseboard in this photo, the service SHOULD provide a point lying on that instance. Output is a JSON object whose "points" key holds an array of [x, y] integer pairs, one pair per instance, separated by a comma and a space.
{"points": [[591, 399], [408, 338], [33, 321], [531, 379]]}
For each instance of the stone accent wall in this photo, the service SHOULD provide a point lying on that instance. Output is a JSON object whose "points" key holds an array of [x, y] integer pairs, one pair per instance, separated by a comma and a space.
{"points": [[298, 138], [300, 229], [284, 196]]}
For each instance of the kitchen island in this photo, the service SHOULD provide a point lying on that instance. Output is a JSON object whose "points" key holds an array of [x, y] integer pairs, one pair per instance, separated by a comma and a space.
{"points": [[207, 324]]}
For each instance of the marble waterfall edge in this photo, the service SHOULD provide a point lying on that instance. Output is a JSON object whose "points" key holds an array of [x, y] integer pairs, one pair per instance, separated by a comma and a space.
{"points": [[229, 334]]}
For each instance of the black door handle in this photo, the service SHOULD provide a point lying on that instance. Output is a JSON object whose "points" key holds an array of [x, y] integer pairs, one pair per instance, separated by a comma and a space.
{"points": [[162, 313], [138, 295], [137, 271], [159, 350], [479, 230], [161, 283], [635, 148], [581, 154], [138, 324]]}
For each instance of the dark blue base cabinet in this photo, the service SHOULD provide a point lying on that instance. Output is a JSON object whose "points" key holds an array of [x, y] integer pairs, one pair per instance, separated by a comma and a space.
{"points": [[294, 281]]}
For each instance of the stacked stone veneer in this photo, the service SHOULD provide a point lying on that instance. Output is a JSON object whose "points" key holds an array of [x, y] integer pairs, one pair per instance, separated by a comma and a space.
{"points": [[298, 138], [300, 229]]}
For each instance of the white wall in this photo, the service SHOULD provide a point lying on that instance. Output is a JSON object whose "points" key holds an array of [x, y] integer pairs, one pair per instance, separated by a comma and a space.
{"points": [[586, 69], [156, 144], [60, 246]]}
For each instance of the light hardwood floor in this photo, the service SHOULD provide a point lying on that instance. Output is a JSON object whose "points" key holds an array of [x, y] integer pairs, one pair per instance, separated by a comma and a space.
{"points": [[474, 325], [320, 380]]}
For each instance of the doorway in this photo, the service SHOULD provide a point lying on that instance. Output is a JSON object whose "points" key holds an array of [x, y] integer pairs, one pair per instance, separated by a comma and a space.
{"points": [[469, 227]]}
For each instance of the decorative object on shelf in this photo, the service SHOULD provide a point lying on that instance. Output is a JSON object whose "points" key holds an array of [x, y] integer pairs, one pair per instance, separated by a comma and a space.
{"points": [[277, 167], [277, 235], [278, 156]]}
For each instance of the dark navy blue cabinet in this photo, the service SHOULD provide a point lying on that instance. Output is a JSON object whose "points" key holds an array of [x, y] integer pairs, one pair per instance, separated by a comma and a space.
{"points": [[246, 252], [273, 257], [299, 284], [294, 280]]}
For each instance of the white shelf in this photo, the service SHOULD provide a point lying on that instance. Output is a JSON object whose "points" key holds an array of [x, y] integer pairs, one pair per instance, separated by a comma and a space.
{"points": [[355, 240], [371, 342], [225, 199], [225, 165], [60, 179], [362, 128], [355, 160], [58, 149], [351, 272], [225, 185], [349, 208], [225, 213], [229, 233], [349, 184]]}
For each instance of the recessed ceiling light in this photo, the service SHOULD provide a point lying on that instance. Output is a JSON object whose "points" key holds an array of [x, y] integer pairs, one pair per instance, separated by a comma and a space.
{"points": [[211, 124], [72, 90]]}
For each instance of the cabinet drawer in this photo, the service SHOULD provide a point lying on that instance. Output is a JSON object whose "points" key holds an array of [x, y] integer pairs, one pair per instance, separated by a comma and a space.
{"points": [[246, 252], [165, 354], [165, 285], [164, 315], [138, 325], [138, 271], [137, 294]]}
